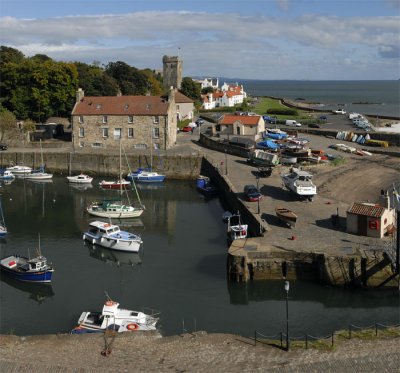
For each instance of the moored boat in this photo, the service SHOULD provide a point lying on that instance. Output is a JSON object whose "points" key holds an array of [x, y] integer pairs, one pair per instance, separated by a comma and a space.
{"points": [[27, 269], [205, 187], [287, 216], [6, 175], [114, 318], [19, 170], [146, 175], [113, 209], [110, 236], [236, 230], [117, 184], [80, 179]]}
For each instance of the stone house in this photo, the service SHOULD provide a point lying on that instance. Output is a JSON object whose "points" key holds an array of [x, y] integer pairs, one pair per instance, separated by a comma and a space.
{"points": [[369, 219], [139, 122], [184, 106], [244, 125]]}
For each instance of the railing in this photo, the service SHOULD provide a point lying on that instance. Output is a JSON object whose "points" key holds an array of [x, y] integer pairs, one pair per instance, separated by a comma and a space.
{"points": [[307, 338]]}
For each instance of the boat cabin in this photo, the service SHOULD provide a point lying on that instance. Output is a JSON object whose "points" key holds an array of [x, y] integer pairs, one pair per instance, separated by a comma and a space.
{"points": [[97, 227]]}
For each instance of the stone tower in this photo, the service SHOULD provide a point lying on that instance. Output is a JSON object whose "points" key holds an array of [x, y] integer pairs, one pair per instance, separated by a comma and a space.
{"points": [[172, 72]]}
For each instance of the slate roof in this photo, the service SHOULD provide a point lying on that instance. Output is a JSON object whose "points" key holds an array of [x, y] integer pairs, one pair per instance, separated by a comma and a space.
{"points": [[244, 119], [374, 211], [180, 98], [121, 105]]}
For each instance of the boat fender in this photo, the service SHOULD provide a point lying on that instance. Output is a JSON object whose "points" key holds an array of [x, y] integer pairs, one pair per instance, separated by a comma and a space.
{"points": [[93, 241], [132, 326]]}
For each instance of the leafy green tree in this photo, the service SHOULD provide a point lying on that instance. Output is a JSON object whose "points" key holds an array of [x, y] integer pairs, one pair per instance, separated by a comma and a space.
{"points": [[95, 81], [8, 124], [130, 80], [206, 90], [8, 54], [191, 89], [41, 58]]}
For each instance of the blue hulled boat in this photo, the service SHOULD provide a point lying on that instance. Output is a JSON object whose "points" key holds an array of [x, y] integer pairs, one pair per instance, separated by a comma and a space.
{"points": [[27, 269], [145, 175], [205, 187]]}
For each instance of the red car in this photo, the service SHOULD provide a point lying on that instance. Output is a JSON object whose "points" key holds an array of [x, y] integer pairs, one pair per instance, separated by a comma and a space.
{"points": [[252, 193], [187, 129]]}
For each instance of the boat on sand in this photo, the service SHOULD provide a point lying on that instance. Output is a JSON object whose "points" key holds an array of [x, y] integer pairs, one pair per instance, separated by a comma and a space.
{"points": [[287, 216]]}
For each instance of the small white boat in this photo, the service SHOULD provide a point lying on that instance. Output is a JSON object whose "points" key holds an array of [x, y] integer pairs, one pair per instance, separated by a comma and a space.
{"points": [[110, 236], [38, 175], [236, 230], [6, 175], [300, 183], [19, 170], [80, 179], [113, 209], [114, 318]]}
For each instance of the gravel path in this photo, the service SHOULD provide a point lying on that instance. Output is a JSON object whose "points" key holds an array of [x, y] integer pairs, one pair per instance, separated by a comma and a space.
{"points": [[199, 352]]}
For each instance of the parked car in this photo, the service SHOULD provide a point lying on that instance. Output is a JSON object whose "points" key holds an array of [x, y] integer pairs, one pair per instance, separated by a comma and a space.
{"points": [[293, 123], [187, 129], [339, 111], [323, 117], [252, 193], [3, 147], [199, 122], [314, 125]]}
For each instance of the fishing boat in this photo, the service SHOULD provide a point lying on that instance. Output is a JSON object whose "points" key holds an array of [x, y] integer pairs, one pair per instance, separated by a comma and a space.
{"points": [[110, 236], [287, 216], [6, 175], [27, 269], [236, 230], [80, 179], [115, 318], [113, 208], [145, 175], [117, 184], [3, 228], [205, 187], [300, 183]]}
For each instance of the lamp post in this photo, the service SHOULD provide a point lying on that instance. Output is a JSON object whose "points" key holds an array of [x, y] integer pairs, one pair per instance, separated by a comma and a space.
{"points": [[226, 163], [258, 200], [287, 314]]}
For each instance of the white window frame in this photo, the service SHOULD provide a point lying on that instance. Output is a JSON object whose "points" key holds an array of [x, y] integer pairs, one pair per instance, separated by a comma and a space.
{"points": [[81, 132], [131, 133], [104, 132], [156, 119], [105, 119], [117, 133], [80, 119], [130, 119], [155, 133]]}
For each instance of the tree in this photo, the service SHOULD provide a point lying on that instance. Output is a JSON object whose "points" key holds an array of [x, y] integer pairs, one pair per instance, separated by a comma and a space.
{"points": [[191, 89], [8, 124], [8, 54], [206, 90], [130, 80], [95, 81]]}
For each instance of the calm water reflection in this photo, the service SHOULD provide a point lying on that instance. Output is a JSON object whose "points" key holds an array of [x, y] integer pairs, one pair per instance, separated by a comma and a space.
{"points": [[180, 270]]}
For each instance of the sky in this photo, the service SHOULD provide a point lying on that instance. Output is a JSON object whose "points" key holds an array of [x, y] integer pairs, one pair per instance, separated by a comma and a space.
{"points": [[244, 39]]}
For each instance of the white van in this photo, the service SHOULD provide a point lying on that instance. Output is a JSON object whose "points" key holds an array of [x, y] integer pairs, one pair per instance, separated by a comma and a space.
{"points": [[293, 123]]}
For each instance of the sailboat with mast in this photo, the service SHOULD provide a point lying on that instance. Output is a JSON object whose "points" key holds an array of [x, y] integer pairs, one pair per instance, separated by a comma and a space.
{"points": [[115, 208], [3, 228], [40, 173]]}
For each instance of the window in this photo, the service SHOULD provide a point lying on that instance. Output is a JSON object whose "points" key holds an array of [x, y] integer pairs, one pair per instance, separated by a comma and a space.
{"points": [[117, 133], [97, 145], [156, 120], [105, 132], [80, 119], [177, 107], [156, 146], [105, 119], [156, 133], [140, 146], [130, 132], [81, 132], [130, 118], [81, 144]]}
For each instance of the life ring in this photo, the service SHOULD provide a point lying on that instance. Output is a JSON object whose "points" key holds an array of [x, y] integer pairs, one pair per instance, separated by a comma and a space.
{"points": [[107, 225], [109, 303], [132, 326]]}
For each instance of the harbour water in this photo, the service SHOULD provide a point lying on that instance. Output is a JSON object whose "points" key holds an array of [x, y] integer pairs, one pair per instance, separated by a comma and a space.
{"points": [[374, 97], [181, 270]]}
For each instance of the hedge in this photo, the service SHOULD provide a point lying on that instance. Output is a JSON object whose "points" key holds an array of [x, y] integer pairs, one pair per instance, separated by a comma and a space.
{"points": [[282, 111]]}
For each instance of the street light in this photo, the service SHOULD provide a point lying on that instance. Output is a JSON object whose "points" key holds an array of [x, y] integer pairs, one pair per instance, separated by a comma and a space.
{"points": [[287, 314], [226, 163], [258, 200]]}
